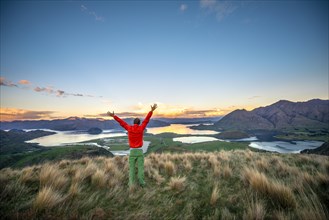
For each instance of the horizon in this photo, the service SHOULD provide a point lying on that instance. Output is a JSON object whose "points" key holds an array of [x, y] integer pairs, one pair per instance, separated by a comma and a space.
{"points": [[195, 59], [156, 117]]}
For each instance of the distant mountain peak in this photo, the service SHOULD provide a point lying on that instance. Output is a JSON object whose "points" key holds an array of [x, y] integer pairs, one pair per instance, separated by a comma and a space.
{"points": [[72, 118], [283, 114]]}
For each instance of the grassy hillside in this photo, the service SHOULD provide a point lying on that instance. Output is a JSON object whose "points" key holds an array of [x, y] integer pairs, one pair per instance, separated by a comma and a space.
{"points": [[51, 154], [237, 184]]}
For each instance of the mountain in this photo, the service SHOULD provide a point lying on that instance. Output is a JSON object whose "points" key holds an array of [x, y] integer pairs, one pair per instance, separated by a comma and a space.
{"points": [[73, 123], [190, 120], [313, 114]]}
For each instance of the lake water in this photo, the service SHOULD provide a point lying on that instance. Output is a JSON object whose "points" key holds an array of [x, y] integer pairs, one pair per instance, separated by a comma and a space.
{"points": [[286, 147], [74, 137], [71, 137], [194, 139], [180, 129]]}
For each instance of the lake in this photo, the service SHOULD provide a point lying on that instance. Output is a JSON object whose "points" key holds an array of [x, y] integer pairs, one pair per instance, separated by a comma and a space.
{"points": [[71, 137], [180, 129], [74, 137], [286, 147], [194, 139]]}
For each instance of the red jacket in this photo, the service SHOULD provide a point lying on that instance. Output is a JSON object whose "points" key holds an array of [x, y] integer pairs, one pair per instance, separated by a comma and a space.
{"points": [[135, 132]]}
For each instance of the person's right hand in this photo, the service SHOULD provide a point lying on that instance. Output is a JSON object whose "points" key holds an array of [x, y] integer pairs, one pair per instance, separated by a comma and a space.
{"points": [[154, 107], [110, 114]]}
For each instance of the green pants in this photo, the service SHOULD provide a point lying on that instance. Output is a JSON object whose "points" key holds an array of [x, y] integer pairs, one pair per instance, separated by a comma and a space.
{"points": [[136, 155]]}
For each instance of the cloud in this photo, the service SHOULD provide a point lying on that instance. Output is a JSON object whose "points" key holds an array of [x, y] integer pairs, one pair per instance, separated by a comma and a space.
{"points": [[49, 90], [221, 9], [24, 82], [59, 92], [4, 82], [84, 9], [167, 111], [10, 114], [183, 7]]}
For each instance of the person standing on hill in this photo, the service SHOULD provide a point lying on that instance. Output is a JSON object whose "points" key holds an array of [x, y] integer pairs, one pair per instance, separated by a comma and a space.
{"points": [[135, 137]]}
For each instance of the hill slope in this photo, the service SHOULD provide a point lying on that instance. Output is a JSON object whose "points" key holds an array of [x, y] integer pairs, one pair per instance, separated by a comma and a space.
{"points": [[220, 185], [313, 114]]}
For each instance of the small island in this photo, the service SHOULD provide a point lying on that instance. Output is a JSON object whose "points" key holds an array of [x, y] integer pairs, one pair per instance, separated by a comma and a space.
{"points": [[94, 130]]}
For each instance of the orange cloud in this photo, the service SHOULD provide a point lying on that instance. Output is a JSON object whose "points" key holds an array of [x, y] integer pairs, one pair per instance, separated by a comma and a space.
{"points": [[167, 111], [24, 82], [11, 114]]}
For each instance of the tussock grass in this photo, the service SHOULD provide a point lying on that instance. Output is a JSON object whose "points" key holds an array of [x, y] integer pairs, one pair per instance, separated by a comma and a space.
{"points": [[262, 164], [214, 195], [74, 189], [226, 172], [256, 179], [51, 176], [278, 192], [47, 198], [187, 164], [63, 164], [28, 175], [237, 184], [311, 207], [99, 178], [282, 194], [177, 183], [256, 211], [169, 167]]}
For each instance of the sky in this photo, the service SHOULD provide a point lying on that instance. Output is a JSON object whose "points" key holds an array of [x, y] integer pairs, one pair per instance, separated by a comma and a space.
{"points": [[193, 58]]}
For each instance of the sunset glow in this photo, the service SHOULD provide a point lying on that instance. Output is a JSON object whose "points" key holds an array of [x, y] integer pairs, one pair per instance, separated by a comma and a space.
{"points": [[194, 59]]}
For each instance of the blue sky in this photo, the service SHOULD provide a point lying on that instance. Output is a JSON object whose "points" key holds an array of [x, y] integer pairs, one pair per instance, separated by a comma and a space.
{"points": [[193, 58]]}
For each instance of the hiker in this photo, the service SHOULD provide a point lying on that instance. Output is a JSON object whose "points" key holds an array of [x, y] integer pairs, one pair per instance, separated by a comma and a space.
{"points": [[135, 137]]}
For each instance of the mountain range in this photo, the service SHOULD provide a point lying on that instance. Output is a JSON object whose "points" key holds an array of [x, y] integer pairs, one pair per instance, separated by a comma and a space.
{"points": [[282, 115], [73, 123]]}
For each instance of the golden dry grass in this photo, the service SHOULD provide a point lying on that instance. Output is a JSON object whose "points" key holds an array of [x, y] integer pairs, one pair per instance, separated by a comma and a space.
{"points": [[47, 198], [255, 211], [51, 176], [245, 185], [177, 183], [170, 168], [74, 189], [28, 175], [278, 192], [214, 195], [99, 178], [187, 164], [226, 172]]}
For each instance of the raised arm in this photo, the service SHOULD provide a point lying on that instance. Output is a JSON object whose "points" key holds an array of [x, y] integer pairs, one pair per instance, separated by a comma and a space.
{"points": [[149, 115], [119, 120]]}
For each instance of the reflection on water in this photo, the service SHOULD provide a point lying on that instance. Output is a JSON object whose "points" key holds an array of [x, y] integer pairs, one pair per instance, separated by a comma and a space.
{"points": [[286, 147], [69, 137], [179, 129], [194, 139]]}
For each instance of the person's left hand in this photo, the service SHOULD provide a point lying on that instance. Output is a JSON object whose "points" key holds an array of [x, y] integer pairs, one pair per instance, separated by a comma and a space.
{"points": [[154, 107]]}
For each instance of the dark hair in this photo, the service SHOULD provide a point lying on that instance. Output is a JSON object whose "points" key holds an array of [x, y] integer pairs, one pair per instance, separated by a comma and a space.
{"points": [[137, 121]]}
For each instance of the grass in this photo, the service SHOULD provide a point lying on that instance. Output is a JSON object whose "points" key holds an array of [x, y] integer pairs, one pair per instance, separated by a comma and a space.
{"points": [[306, 134], [47, 198], [238, 184], [50, 154], [164, 143]]}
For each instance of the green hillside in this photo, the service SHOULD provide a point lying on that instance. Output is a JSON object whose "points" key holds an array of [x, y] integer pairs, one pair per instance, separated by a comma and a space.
{"points": [[238, 184]]}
